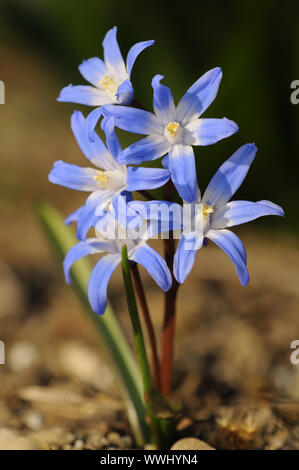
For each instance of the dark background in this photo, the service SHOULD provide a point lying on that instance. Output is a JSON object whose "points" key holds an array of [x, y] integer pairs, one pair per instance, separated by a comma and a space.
{"points": [[255, 43]]}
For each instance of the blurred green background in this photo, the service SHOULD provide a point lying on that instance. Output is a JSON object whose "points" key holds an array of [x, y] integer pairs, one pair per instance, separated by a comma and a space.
{"points": [[255, 43]]}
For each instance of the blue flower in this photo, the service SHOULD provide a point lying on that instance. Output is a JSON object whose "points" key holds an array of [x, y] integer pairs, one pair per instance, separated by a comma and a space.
{"points": [[110, 236], [150, 217], [213, 214], [108, 179], [110, 78], [174, 130]]}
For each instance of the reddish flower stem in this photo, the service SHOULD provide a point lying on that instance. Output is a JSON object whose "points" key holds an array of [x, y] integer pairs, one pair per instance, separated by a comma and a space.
{"points": [[169, 323], [148, 323], [169, 311]]}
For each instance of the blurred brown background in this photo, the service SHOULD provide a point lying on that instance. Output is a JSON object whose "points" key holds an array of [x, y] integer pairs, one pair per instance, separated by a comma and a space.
{"points": [[233, 344]]}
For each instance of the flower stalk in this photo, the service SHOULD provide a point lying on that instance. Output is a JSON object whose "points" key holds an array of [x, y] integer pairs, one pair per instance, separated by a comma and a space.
{"points": [[140, 346], [168, 332], [169, 322], [149, 325]]}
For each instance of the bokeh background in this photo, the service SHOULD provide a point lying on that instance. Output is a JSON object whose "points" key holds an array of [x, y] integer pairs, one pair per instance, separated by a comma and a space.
{"points": [[232, 342]]}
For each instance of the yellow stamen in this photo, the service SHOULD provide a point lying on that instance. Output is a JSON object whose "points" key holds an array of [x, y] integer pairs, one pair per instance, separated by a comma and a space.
{"points": [[207, 210], [172, 127], [101, 178], [108, 83]]}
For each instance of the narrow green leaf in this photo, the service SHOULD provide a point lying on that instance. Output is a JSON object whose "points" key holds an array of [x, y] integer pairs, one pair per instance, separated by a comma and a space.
{"points": [[119, 352], [140, 347], [138, 335]]}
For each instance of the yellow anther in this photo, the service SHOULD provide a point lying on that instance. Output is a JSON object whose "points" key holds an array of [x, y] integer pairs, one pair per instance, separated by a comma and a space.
{"points": [[108, 83], [207, 210], [101, 178], [172, 127]]}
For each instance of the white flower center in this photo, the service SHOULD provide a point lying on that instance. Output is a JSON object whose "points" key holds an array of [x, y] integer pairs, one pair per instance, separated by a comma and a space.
{"points": [[207, 210], [111, 179], [110, 85], [101, 179], [202, 218], [173, 132]]}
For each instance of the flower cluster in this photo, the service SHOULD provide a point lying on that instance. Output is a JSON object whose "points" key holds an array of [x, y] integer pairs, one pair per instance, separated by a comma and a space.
{"points": [[111, 211]]}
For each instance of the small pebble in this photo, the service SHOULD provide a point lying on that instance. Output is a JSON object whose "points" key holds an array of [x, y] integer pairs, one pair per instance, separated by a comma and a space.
{"points": [[114, 438], [94, 440], [104, 441], [21, 356], [191, 443], [183, 424], [127, 442], [33, 420], [78, 444], [82, 363], [149, 447]]}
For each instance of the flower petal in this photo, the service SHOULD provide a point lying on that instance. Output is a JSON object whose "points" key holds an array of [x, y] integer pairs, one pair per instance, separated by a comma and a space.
{"points": [[144, 150], [88, 217], [125, 93], [146, 178], [93, 70], [112, 141], [81, 249], [199, 96], [230, 176], [163, 101], [90, 143], [275, 207], [123, 212], [156, 210], [98, 282], [112, 55], [134, 53], [234, 249], [73, 176], [84, 95], [240, 212], [154, 264], [210, 131], [73, 217], [185, 255], [92, 120], [183, 171], [165, 162], [164, 216], [134, 120]]}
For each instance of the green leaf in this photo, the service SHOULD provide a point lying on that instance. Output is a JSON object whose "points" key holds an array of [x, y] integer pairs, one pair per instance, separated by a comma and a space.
{"points": [[119, 352], [137, 331]]}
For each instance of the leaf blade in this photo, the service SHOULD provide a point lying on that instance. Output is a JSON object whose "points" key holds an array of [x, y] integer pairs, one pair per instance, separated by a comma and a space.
{"points": [[62, 239]]}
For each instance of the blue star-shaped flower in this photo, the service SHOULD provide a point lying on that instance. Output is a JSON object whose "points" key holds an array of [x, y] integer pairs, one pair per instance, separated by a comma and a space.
{"points": [[174, 130], [107, 179], [213, 213], [110, 78], [110, 237]]}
